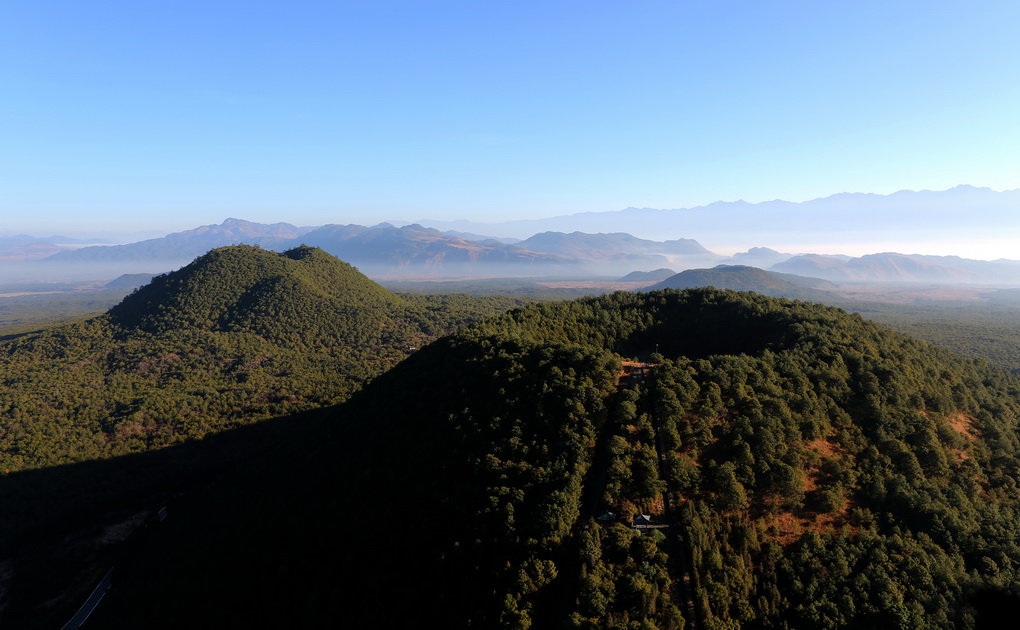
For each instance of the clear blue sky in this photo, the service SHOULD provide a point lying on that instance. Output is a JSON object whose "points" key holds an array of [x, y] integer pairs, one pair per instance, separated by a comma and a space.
{"points": [[169, 115]]}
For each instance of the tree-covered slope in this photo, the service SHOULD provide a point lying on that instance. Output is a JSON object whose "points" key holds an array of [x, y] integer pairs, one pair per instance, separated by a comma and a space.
{"points": [[241, 334], [805, 469]]}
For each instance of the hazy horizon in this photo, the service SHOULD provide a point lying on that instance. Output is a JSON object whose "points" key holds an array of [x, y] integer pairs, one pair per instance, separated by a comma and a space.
{"points": [[167, 117], [957, 239]]}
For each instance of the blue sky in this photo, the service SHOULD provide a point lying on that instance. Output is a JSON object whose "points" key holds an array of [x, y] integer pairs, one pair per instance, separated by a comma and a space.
{"points": [[168, 115]]}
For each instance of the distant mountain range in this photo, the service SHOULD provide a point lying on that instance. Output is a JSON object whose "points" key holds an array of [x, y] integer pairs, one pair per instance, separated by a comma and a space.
{"points": [[413, 248], [611, 243], [893, 267], [386, 249], [25, 247], [621, 249], [189, 244], [918, 217]]}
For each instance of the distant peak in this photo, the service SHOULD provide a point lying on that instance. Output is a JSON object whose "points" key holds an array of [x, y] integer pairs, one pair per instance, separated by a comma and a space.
{"points": [[232, 222]]}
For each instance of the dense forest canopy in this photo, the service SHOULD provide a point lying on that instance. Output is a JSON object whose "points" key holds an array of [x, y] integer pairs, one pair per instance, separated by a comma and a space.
{"points": [[800, 467]]}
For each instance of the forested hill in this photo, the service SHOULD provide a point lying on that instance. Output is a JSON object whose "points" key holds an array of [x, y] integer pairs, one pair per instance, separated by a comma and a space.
{"points": [[809, 469], [247, 288], [744, 278], [239, 335]]}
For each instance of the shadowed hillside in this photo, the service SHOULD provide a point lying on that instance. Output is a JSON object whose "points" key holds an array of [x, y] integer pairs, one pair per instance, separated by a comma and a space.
{"points": [[787, 469]]}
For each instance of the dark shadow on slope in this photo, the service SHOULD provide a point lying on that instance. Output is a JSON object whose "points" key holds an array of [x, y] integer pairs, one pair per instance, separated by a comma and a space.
{"points": [[416, 499], [993, 607], [55, 519], [710, 322]]}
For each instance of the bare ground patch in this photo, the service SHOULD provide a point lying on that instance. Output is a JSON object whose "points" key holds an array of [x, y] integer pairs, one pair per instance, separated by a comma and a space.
{"points": [[964, 424]]}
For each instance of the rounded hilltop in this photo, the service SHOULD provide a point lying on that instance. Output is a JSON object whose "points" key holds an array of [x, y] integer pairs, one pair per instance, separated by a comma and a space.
{"points": [[243, 284]]}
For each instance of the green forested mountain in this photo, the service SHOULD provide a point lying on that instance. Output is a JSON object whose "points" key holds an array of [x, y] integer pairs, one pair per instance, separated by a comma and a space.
{"points": [[801, 468], [241, 334]]}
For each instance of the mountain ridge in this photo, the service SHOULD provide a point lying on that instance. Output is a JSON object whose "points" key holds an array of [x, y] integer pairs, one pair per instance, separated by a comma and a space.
{"points": [[917, 217], [895, 267], [966, 215], [188, 243], [385, 248]]}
